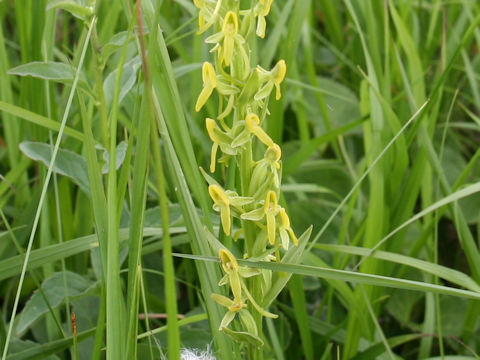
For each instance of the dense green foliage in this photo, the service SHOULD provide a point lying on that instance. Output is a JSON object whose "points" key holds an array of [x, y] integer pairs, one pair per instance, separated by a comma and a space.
{"points": [[378, 123]]}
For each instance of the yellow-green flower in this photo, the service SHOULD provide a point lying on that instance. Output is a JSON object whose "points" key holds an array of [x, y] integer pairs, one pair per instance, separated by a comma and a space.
{"points": [[230, 31], [272, 78], [273, 155], [227, 40], [253, 124], [222, 201], [271, 209], [285, 230], [233, 276], [209, 83], [233, 309], [230, 267], [208, 13], [231, 141], [262, 10], [219, 138], [272, 158], [266, 171]]}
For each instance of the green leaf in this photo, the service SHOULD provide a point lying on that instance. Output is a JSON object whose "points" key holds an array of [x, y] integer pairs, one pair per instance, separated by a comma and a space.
{"points": [[116, 42], [244, 337], [119, 158], [49, 254], [49, 70], [129, 78], [41, 351], [67, 163], [293, 255], [360, 278], [343, 105], [344, 275], [21, 346], [35, 118], [77, 8], [443, 272], [181, 70], [55, 291], [378, 349]]}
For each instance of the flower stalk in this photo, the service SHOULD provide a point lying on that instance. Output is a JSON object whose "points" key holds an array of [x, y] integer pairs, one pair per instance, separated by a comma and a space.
{"points": [[250, 209]]}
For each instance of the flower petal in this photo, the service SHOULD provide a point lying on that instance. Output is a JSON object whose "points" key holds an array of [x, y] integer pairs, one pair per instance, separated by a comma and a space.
{"points": [[227, 319], [203, 97], [213, 157], [254, 215], [221, 300], [226, 219]]}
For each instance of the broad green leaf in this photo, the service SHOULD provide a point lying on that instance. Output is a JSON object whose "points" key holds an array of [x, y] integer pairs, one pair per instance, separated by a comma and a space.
{"points": [[182, 70], [41, 351], [119, 158], [55, 291], [21, 346], [115, 43], [378, 349], [244, 337], [128, 80], [49, 70], [67, 163], [401, 305], [452, 357], [152, 215], [342, 105]]}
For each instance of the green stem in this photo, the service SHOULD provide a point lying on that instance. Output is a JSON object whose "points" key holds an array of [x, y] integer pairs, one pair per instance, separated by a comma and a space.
{"points": [[170, 290], [102, 106]]}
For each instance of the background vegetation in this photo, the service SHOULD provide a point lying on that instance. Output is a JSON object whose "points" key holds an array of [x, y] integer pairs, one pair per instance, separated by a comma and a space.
{"points": [[379, 126]]}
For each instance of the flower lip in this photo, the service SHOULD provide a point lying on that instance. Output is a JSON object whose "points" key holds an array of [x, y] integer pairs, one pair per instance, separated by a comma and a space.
{"points": [[271, 202], [230, 33], [220, 198], [210, 124], [218, 195], [266, 4], [273, 153], [278, 73], [251, 120], [208, 74], [230, 24], [229, 263]]}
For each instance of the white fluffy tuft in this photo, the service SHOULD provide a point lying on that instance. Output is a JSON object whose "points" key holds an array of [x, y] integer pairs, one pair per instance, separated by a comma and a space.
{"points": [[195, 354]]}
